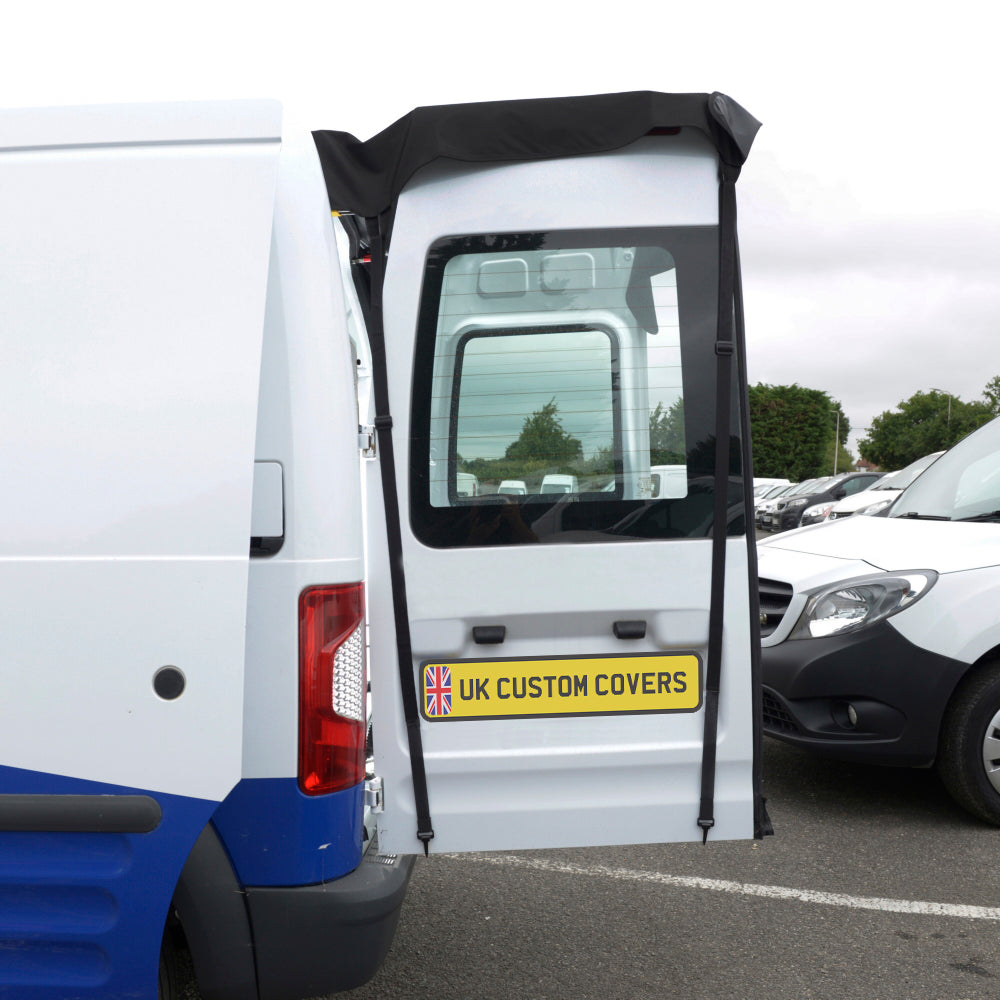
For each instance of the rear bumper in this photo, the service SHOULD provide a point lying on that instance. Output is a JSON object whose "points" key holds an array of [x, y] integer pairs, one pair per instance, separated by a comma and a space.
{"points": [[311, 940]]}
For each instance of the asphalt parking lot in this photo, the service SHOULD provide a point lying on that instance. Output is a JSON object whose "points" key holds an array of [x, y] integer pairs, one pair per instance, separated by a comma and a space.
{"points": [[874, 887]]}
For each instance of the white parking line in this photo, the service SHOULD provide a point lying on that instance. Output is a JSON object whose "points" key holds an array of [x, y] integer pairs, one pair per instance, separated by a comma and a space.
{"points": [[743, 888]]}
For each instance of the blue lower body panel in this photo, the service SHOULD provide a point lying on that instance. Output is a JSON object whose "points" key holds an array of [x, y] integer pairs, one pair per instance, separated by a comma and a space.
{"points": [[275, 835], [83, 894]]}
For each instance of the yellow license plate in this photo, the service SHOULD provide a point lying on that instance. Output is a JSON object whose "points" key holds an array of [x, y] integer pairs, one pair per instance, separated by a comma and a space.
{"points": [[593, 685]]}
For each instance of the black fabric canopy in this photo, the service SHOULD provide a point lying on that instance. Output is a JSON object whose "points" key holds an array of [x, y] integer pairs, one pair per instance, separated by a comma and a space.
{"points": [[366, 177]]}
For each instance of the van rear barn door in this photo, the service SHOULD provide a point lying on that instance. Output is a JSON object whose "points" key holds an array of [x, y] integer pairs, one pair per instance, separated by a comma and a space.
{"points": [[550, 344]]}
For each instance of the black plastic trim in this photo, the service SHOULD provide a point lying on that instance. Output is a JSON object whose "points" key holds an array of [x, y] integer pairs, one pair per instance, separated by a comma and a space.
{"points": [[630, 629], [489, 635], [79, 813], [315, 939], [899, 689], [265, 545], [210, 903]]}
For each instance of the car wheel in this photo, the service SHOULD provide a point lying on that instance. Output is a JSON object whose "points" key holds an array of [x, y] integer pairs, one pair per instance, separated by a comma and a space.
{"points": [[969, 753]]}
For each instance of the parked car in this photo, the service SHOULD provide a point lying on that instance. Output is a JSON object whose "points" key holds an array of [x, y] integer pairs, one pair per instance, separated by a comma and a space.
{"points": [[879, 496], [880, 635], [788, 513], [806, 489], [770, 501], [820, 511]]}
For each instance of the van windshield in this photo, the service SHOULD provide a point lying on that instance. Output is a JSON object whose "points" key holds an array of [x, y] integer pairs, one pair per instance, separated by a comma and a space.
{"points": [[962, 485]]}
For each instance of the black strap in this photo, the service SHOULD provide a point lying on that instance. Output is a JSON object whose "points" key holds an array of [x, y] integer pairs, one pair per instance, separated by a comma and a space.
{"points": [[723, 392], [390, 493], [761, 821]]}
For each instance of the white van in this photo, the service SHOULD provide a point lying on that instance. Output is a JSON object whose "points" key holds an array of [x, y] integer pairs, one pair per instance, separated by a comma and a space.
{"points": [[880, 635], [669, 481], [513, 487], [466, 484], [558, 483], [241, 370]]}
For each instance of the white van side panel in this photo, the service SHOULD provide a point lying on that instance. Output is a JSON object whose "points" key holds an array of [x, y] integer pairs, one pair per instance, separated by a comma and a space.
{"points": [[307, 423], [957, 618], [133, 262]]}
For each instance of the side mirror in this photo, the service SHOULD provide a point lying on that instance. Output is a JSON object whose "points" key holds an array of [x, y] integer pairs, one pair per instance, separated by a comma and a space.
{"points": [[839, 493]]}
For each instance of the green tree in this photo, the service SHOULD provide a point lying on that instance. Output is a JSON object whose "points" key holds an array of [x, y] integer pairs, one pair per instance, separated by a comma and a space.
{"points": [[793, 430], [601, 463], [666, 435], [991, 395], [543, 438], [927, 421]]}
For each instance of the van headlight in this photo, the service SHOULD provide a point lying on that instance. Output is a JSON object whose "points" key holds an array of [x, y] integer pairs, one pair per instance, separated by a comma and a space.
{"points": [[874, 508], [855, 604]]}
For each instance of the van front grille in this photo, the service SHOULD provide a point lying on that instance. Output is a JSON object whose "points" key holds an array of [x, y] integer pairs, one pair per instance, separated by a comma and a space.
{"points": [[774, 600], [775, 716]]}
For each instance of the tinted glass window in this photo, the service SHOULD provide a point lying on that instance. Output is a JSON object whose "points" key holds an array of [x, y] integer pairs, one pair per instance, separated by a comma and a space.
{"points": [[852, 486], [537, 407], [565, 382], [964, 483]]}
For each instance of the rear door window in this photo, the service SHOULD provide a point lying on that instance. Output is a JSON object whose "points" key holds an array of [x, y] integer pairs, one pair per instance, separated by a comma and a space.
{"points": [[578, 365]]}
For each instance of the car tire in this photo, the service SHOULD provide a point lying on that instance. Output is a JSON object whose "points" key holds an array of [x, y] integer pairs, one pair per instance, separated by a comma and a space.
{"points": [[969, 751], [169, 975]]}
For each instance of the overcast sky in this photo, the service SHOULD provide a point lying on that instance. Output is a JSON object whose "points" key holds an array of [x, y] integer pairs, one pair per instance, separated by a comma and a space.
{"points": [[869, 207]]}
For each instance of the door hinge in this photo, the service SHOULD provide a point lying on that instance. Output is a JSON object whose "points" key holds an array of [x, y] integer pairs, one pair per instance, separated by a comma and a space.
{"points": [[373, 794], [366, 440]]}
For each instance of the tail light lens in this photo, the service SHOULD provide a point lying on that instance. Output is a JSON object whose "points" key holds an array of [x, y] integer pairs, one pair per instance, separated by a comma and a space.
{"points": [[332, 686]]}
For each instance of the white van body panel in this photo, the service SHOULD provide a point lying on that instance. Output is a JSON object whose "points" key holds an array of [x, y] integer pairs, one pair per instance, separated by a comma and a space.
{"points": [[307, 409], [136, 333], [96, 125], [563, 781], [955, 618], [891, 543]]}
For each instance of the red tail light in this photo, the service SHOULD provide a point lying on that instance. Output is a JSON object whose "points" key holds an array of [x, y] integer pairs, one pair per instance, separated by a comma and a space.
{"points": [[332, 686]]}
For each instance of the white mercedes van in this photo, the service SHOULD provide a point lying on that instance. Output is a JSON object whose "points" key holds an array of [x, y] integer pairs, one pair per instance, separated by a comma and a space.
{"points": [[881, 637]]}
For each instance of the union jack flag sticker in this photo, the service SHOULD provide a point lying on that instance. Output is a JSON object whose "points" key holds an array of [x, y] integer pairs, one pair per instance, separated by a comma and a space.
{"points": [[437, 690]]}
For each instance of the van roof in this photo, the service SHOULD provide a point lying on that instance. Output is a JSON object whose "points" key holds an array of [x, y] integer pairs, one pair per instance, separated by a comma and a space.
{"points": [[119, 124]]}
